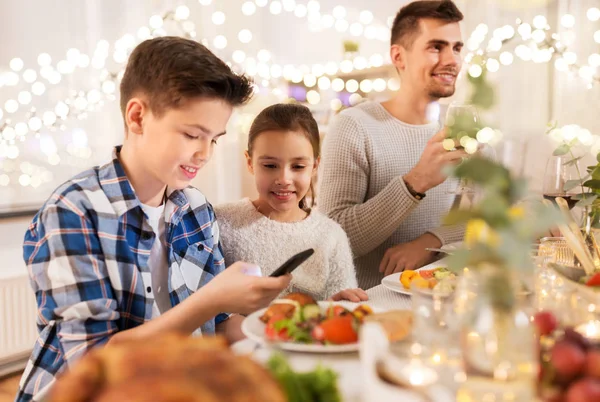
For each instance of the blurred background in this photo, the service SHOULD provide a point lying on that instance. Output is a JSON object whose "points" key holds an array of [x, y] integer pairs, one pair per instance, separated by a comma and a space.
{"points": [[527, 63]]}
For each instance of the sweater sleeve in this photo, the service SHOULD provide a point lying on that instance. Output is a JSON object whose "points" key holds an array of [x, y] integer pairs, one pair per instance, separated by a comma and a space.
{"points": [[344, 182], [225, 237], [449, 234], [342, 274]]}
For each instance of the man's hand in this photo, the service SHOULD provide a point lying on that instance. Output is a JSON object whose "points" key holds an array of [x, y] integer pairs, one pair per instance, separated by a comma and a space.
{"points": [[411, 255], [428, 172]]}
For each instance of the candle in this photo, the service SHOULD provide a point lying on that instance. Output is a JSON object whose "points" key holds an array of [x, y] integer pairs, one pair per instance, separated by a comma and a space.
{"points": [[418, 374], [590, 330]]}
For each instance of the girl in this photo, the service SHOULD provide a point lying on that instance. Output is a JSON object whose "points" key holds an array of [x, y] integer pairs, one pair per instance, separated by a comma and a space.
{"points": [[283, 155]]}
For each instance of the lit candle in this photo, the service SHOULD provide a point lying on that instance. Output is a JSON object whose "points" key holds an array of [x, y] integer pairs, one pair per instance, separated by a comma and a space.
{"points": [[590, 330], [418, 374]]}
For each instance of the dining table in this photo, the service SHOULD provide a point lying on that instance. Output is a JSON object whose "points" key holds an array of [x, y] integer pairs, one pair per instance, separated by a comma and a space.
{"points": [[355, 385]]}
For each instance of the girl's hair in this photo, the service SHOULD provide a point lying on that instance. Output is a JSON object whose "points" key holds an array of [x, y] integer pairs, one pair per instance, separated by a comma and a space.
{"points": [[288, 117]]}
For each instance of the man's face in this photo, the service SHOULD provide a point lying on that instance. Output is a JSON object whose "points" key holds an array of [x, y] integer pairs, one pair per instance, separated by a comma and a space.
{"points": [[433, 62]]}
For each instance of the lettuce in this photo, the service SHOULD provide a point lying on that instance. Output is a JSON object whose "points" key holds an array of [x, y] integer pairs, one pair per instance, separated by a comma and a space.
{"points": [[319, 385]]}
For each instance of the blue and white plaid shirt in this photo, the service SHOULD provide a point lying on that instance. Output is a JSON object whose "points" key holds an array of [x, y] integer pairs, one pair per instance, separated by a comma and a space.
{"points": [[87, 255]]}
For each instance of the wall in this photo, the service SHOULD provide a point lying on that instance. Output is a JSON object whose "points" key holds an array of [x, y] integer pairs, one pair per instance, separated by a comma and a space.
{"points": [[529, 95]]}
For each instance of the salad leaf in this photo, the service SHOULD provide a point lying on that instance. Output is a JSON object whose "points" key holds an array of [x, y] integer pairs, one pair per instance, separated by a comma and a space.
{"points": [[319, 385], [296, 333]]}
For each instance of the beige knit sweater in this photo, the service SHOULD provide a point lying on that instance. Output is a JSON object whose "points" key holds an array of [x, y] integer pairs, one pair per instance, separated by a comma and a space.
{"points": [[365, 154], [247, 235]]}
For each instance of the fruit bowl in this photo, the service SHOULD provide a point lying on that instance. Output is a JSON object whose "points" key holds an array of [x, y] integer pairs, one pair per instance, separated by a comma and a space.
{"points": [[569, 363], [573, 276]]}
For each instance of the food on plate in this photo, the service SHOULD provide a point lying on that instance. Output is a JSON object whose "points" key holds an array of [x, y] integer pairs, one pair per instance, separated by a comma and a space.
{"points": [[425, 278], [397, 324], [288, 306], [311, 323], [170, 368], [338, 330], [362, 311]]}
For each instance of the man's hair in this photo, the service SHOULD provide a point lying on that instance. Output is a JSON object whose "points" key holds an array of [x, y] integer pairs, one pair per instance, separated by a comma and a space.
{"points": [[406, 23], [170, 70]]}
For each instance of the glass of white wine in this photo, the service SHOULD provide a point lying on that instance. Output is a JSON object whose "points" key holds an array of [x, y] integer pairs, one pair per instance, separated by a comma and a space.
{"points": [[462, 124]]}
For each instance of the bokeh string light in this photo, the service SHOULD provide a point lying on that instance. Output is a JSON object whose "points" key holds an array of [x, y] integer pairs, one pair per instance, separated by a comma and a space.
{"points": [[536, 44]]}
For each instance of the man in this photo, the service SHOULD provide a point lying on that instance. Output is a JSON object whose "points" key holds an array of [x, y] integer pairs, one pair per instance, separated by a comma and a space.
{"points": [[383, 163]]}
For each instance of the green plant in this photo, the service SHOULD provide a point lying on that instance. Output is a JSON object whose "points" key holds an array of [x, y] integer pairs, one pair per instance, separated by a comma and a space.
{"points": [[570, 139], [511, 223]]}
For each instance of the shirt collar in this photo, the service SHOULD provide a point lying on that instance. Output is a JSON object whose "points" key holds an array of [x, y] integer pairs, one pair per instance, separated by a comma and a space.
{"points": [[120, 192]]}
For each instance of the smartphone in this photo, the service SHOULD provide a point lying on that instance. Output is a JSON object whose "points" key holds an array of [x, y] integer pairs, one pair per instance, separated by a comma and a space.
{"points": [[293, 263]]}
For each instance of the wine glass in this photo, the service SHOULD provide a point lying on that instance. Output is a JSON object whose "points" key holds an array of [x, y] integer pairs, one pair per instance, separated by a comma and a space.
{"points": [[462, 124], [559, 179]]}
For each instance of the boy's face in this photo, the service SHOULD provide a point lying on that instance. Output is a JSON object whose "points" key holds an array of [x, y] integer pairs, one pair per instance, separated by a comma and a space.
{"points": [[177, 144], [433, 62]]}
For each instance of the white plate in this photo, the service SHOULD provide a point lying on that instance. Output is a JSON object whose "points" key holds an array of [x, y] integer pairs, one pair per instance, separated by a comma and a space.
{"points": [[254, 329], [392, 282]]}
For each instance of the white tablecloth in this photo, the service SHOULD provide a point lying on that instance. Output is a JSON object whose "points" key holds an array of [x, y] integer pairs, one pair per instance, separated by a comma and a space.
{"points": [[383, 298]]}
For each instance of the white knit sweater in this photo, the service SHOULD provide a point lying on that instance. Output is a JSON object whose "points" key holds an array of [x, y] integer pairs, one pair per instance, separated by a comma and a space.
{"points": [[365, 154], [247, 235]]}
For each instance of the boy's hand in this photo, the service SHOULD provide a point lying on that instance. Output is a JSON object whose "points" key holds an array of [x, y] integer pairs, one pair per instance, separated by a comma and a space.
{"points": [[235, 291], [353, 295]]}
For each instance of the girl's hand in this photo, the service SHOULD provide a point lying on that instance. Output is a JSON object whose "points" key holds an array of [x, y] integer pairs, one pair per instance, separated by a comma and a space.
{"points": [[353, 295]]}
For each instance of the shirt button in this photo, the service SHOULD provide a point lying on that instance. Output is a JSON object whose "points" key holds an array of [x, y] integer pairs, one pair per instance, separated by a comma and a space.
{"points": [[200, 246], [149, 289]]}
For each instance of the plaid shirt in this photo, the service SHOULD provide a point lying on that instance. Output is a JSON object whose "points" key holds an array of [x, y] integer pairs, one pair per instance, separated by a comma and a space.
{"points": [[87, 255]]}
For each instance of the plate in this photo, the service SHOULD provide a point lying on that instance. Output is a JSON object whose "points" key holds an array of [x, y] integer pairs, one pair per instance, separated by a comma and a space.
{"points": [[392, 282], [254, 329]]}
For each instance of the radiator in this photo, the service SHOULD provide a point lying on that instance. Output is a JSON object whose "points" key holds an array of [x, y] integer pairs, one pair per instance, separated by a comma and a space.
{"points": [[17, 322]]}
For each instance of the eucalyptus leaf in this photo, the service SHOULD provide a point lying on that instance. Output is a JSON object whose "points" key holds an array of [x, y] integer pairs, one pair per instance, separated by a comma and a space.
{"points": [[579, 196], [482, 171], [587, 201], [518, 190], [598, 157], [458, 260], [571, 184], [594, 183], [551, 125], [572, 162], [562, 149]]}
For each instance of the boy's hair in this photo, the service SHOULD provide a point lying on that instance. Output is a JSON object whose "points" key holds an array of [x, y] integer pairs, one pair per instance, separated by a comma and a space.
{"points": [[288, 117], [406, 23], [170, 70]]}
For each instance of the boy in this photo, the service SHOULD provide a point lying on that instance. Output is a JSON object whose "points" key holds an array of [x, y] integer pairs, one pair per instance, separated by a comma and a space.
{"points": [[127, 250]]}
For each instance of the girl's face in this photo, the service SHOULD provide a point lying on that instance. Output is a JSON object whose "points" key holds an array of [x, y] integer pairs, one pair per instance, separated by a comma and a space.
{"points": [[283, 165]]}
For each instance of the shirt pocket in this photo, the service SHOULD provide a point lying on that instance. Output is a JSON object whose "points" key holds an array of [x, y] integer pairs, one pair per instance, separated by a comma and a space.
{"points": [[196, 263]]}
